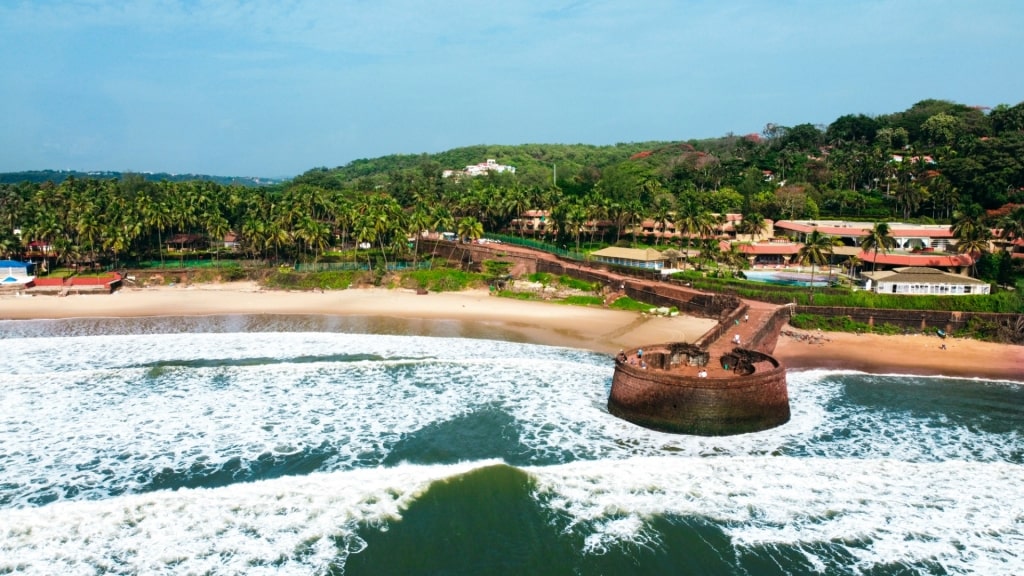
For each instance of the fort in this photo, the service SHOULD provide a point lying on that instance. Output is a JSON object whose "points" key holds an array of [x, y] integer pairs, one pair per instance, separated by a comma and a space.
{"points": [[725, 383], [711, 387]]}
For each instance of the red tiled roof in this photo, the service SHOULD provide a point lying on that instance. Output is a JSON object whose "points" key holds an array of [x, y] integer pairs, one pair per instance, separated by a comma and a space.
{"points": [[862, 229], [928, 260], [770, 248]]}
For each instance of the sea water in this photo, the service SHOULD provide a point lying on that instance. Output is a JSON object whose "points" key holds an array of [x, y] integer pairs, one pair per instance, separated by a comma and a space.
{"points": [[298, 445]]}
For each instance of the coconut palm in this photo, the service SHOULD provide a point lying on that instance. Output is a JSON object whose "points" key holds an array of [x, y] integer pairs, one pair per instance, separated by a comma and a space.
{"points": [[974, 243], [1012, 227], [853, 262], [470, 228], [817, 249], [879, 238], [752, 224]]}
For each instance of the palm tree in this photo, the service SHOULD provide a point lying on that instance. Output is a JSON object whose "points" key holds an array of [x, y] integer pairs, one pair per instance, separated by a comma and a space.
{"points": [[471, 228], [752, 224], [734, 258], [663, 209], [419, 221], [817, 249], [1012, 227], [879, 238], [853, 262], [973, 241]]}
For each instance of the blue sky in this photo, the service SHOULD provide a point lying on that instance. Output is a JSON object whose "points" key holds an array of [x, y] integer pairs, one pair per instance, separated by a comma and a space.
{"points": [[276, 87]]}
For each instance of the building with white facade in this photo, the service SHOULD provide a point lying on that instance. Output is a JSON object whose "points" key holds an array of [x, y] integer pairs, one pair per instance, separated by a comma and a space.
{"points": [[918, 280], [480, 169]]}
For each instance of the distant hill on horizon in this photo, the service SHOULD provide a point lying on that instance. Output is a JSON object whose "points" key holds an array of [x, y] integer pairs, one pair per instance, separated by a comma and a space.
{"points": [[58, 176]]}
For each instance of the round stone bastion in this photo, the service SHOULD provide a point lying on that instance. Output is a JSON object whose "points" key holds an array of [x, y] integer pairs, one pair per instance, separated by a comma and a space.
{"points": [[676, 388]]}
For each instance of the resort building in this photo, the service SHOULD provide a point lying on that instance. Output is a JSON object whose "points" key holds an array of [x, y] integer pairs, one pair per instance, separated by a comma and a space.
{"points": [[777, 252], [480, 169], [918, 280], [916, 245], [633, 257]]}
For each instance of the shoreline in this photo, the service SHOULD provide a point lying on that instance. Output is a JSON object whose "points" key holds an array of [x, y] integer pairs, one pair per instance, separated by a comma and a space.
{"points": [[477, 314]]}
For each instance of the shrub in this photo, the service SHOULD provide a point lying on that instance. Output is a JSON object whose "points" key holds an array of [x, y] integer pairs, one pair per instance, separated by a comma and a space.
{"points": [[287, 279], [583, 300], [442, 279], [627, 303]]}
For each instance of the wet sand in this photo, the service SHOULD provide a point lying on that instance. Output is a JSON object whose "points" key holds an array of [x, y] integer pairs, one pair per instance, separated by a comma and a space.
{"points": [[475, 313]]}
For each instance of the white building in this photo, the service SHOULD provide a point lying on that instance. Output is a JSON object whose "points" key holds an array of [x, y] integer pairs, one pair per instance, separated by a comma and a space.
{"points": [[918, 280], [480, 169]]}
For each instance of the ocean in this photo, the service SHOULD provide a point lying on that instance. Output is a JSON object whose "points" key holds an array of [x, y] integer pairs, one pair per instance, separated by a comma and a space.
{"points": [[318, 445]]}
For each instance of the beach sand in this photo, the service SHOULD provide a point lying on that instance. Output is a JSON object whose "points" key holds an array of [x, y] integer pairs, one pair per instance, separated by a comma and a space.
{"points": [[475, 313], [904, 354]]}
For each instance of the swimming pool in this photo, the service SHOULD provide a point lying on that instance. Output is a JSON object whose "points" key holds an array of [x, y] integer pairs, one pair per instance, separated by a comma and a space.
{"points": [[786, 278]]}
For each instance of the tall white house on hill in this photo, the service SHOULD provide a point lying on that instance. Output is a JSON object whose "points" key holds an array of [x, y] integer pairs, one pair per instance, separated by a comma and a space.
{"points": [[491, 165]]}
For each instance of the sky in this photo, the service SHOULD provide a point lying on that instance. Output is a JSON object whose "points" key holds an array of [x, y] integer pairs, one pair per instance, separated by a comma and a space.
{"points": [[273, 88]]}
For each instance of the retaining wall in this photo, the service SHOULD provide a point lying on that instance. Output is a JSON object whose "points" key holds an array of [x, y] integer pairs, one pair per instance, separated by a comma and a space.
{"points": [[671, 402]]}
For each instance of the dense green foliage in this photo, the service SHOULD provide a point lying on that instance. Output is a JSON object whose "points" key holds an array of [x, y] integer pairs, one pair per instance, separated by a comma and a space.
{"points": [[936, 161], [840, 324], [58, 176], [1005, 302], [287, 279], [443, 280]]}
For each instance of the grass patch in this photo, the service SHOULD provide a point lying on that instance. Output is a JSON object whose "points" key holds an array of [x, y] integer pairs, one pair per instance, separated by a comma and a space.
{"points": [[583, 300], [517, 295], [840, 324], [288, 279], [627, 303], [1005, 302], [443, 280], [576, 284]]}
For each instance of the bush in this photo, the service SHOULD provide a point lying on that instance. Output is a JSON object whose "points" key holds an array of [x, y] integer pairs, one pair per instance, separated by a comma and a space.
{"points": [[1005, 302], [442, 280], [287, 279], [840, 324], [584, 300], [518, 295], [576, 284], [627, 303]]}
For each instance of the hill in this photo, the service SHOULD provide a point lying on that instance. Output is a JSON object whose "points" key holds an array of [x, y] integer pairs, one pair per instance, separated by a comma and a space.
{"points": [[58, 176]]}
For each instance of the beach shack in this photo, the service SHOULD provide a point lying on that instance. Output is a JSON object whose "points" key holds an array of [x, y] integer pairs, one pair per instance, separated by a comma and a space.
{"points": [[14, 273], [633, 257]]}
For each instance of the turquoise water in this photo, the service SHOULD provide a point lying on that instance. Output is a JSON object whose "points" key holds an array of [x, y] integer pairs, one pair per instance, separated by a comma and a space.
{"points": [[304, 445], [784, 278]]}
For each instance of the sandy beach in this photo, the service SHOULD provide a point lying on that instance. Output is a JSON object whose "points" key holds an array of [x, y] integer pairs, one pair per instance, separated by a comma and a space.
{"points": [[909, 354], [475, 313]]}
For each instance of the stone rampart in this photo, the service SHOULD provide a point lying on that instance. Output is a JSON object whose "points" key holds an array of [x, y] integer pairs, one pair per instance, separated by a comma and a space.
{"points": [[922, 319], [671, 402]]}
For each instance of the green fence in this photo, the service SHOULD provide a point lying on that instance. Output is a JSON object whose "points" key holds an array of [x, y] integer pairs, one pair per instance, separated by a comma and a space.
{"points": [[180, 264], [363, 266], [538, 245]]}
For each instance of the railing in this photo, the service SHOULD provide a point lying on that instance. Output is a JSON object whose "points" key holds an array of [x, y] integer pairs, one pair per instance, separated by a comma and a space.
{"points": [[538, 245], [359, 266]]}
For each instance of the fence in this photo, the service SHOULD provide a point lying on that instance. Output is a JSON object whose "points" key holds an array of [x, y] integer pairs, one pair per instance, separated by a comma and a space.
{"points": [[538, 245], [359, 266]]}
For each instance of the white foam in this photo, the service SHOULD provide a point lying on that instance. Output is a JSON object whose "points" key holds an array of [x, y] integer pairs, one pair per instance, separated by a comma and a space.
{"points": [[85, 413], [965, 516], [285, 526]]}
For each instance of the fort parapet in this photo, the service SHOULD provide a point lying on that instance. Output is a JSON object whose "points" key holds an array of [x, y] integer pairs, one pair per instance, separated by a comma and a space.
{"points": [[663, 390]]}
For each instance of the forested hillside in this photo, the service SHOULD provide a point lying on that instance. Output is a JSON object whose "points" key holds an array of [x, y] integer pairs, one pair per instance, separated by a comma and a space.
{"points": [[923, 162], [58, 176], [937, 161]]}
